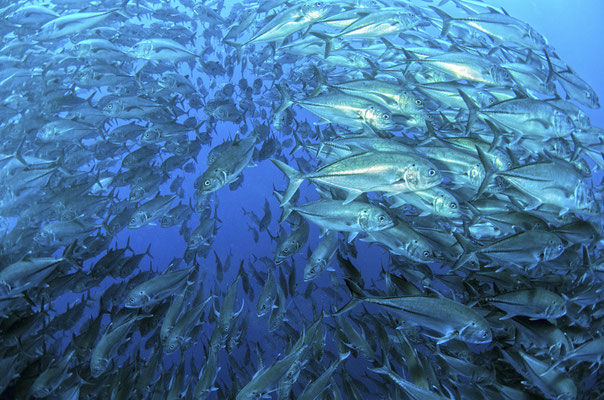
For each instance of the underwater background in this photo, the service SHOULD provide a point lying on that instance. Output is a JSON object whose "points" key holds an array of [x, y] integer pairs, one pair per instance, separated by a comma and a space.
{"points": [[123, 276]]}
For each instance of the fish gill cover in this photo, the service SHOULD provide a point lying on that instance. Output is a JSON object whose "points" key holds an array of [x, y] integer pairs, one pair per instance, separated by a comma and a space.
{"points": [[421, 214]]}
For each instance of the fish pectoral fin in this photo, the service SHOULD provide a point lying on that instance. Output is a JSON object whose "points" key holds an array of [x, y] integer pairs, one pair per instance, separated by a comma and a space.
{"points": [[446, 338], [506, 316], [323, 121], [564, 191], [541, 121], [351, 196]]}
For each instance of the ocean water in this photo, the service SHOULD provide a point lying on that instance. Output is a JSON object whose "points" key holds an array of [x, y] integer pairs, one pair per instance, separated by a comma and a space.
{"points": [[575, 32]]}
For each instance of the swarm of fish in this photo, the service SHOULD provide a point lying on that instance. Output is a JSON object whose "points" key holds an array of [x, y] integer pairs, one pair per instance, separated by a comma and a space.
{"points": [[451, 138]]}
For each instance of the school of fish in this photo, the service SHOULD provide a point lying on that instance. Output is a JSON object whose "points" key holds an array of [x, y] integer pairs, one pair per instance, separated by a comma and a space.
{"points": [[447, 139]]}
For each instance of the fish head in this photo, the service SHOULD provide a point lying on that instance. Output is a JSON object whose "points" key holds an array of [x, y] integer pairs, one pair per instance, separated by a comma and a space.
{"points": [[172, 344], [137, 298], [585, 198], [167, 221], [446, 205], [43, 237], [314, 10], [40, 391], [137, 193], [84, 49], [113, 108], [142, 50], [5, 288], [373, 219], [98, 366], [212, 180], [378, 117], [167, 81], [422, 175], [282, 119], [420, 251], [152, 134], [581, 120], [562, 122], [263, 307], [553, 249], [286, 251], [138, 219], [47, 133], [476, 174], [408, 103], [313, 268], [590, 98], [501, 75], [501, 160], [477, 332], [535, 40], [409, 20]]}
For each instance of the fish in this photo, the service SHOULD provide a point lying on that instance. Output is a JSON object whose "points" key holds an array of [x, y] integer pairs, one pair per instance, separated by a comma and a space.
{"points": [[229, 166], [156, 289], [359, 174], [447, 317]]}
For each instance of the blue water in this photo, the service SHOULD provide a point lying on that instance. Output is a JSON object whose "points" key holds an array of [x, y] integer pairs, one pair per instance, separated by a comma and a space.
{"points": [[574, 29]]}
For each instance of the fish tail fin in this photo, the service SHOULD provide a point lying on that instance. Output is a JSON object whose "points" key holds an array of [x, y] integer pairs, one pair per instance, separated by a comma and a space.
{"points": [[469, 252], [147, 252], [355, 291], [551, 72], [68, 255], [299, 144], [446, 20], [327, 39], [385, 368], [472, 108], [286, 99], [295, 180], [287, 208], [490, 172], [128, 245], [321, 83], [238, 46], [17, 154]]}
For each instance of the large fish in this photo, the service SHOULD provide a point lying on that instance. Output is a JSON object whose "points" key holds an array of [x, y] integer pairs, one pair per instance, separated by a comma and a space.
{"points": [[367, 172]]}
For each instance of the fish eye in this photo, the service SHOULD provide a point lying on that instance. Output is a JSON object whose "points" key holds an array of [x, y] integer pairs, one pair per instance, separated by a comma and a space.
{"points": [[207, 182], [386, 116], [109, 106], [381, 218], [426, 253], [453, 205], [431, 172], [418, 102]]}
